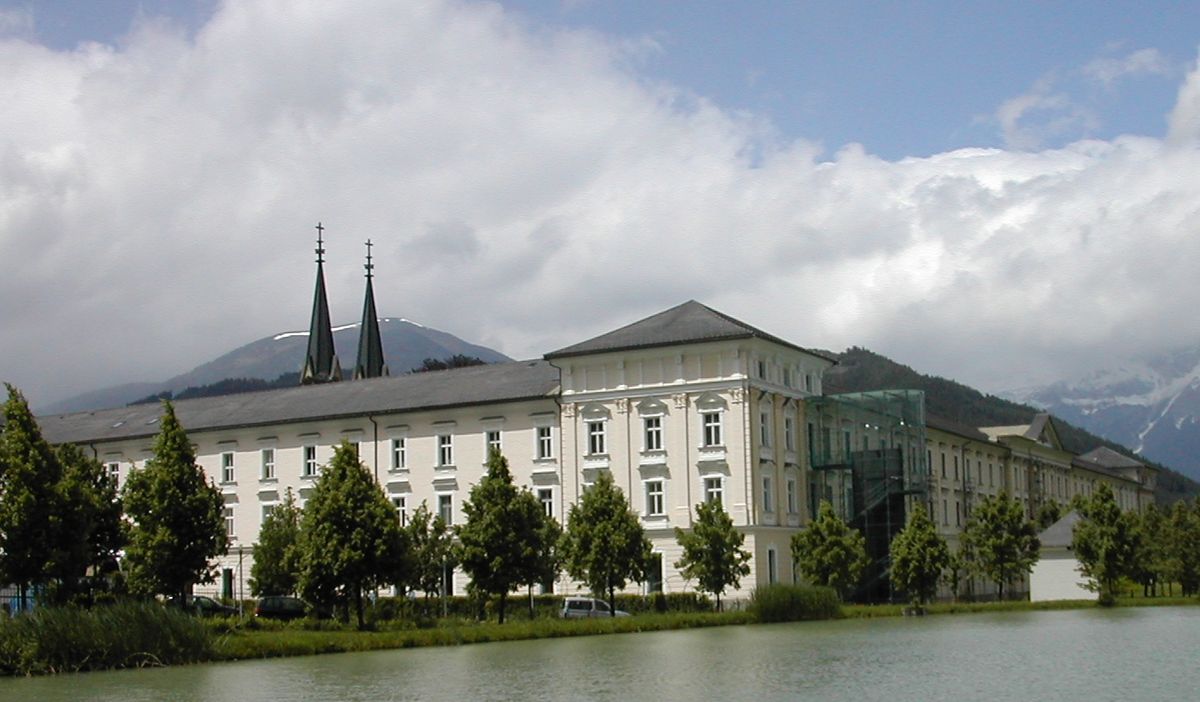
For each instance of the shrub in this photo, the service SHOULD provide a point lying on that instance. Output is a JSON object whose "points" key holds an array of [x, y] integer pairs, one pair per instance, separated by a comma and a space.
{"points": [[121, 635], [791, 603]]}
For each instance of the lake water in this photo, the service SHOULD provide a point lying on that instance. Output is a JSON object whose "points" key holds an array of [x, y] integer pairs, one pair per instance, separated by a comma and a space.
{"points": [[1094, 655]]}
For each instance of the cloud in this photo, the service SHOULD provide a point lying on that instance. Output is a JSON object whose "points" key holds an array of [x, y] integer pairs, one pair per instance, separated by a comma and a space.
{"points": [[1107, 70], [529, 189], [1028, 120]]}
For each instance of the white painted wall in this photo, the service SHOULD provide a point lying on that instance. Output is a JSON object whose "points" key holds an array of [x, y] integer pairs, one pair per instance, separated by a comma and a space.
{"points": [[1056, 577]]}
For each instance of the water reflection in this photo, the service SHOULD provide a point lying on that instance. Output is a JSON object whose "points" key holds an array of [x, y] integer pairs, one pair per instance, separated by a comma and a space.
{"points": [[1131, 654]]}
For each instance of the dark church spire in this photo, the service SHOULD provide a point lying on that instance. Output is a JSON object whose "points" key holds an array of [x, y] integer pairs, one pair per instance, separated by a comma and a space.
{"points": [[370, 362], [321, 363]]}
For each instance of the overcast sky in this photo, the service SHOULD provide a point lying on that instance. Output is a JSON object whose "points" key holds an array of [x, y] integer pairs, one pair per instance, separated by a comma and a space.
{"points": [[1004, 195]]}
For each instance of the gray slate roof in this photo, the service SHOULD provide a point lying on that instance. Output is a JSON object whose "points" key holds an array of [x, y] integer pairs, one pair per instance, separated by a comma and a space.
{"points": [[1060, 533], [951, 427], [498, 382], [688, 323], [1105, 457]]}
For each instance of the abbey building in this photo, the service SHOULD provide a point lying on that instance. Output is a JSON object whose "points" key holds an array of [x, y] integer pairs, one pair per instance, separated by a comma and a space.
{"points": [[683, 406]]}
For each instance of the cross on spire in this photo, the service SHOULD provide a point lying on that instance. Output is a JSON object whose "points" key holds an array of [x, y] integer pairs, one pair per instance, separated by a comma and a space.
{"points": [[320, 244], [369, 265]]}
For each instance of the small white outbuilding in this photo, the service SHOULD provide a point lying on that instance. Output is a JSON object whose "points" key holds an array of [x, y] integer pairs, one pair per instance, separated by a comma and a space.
{"points": [[1056, 575]]}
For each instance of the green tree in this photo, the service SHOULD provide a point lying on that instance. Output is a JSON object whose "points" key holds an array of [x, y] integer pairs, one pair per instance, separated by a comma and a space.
{"points": [[1183, 546], [433, 551], [828, 552], [177, 515], [92, 522], [276, 569], [1105, 542], [499, 541], [1002, 540], [1151, 559], [32, 534], [958, 567], [604, 545], [1049, 513], [548, 563], [350, 541], [919, 556], [712, 550]]}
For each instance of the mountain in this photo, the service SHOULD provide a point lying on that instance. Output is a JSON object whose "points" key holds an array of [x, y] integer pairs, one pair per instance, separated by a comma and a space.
{"points": [[1152, 406], [405, 346], [860, 370]]}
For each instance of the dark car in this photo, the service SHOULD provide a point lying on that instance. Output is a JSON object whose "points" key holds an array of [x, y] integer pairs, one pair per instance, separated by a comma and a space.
{"points": [[281, 607], [205, 607]]}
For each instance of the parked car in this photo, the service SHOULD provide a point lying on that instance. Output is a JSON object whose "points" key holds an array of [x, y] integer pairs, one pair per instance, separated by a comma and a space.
{"points": [[281, 607], [204, 606], [583, 607]]}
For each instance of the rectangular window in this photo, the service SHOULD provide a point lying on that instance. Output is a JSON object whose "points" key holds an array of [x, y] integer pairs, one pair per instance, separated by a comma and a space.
{"points": [[654, 498], [401, 506], [446, 508], [546, 497], [957, 513], [595, 434], [772, 567], [493, 442], [768, 500], [714, 490], [808, 382], [654, 573], [114, 473], [793, 499], [545, 445], [310, 461], [762, 369], [943, 457], [268, 464], [787, 377], [789, 433], [764, 429], [399, 453], [227, 468], [945, 514], [267, 511], [445, 450], [991, 475], [229, 522], [712, 428], [956, 467], [653, 433]]}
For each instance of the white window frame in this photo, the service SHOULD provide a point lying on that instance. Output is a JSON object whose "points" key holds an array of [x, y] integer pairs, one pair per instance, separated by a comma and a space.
{"points": [[309, 456], [229, 525], [652, 433], [772, 565], [492, 439], [228, 467], [544, 438], [793, 495], [114, 472], [655, 491], [268, 463], [768, 497], [445, 450], [399, 453], [597, 437], [712, 429], [714, 489], [764, 428], [789, 432], [400, 504], [445, 506], [546, 499]]}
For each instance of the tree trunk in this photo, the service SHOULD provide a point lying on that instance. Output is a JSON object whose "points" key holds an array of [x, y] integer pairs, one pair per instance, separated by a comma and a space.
{"points": [[503, 601], [718, 602], [358, 606], [612, 601]]}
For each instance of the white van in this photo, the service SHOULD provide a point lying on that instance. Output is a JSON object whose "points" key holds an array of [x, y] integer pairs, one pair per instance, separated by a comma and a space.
{"points": [[583, 607]]}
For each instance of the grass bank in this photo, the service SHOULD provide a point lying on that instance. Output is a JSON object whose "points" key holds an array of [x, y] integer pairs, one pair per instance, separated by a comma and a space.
{"points": [[297, 641]]}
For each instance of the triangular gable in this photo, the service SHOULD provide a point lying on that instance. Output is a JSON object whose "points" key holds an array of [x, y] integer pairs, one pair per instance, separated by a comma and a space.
{"points": [[1042, 430]]}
